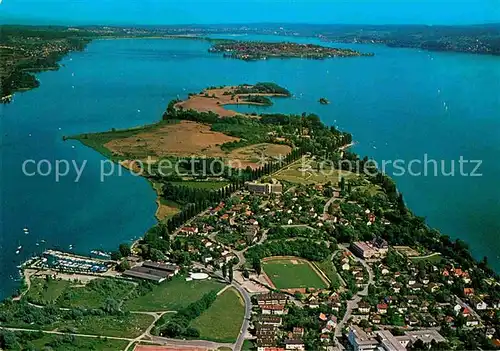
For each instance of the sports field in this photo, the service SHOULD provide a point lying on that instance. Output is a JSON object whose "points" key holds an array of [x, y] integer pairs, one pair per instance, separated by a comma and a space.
{"points": [[291, 273]]}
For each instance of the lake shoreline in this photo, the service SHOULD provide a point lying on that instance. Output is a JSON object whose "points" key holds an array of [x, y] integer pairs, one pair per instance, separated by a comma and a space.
{"points": [[338, 102]]}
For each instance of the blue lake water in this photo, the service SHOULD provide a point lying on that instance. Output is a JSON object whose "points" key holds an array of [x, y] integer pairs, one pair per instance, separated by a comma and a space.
{"points": [[400, 104]]}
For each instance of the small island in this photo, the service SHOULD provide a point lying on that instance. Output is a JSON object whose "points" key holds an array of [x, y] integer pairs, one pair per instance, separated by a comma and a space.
{"points": [[324, 101], [252, 50]]}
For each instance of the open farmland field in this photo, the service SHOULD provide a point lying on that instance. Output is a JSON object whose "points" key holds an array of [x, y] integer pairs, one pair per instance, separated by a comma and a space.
{"points": [[256, 155], [306, 171], [185, 138], [291, 273], [222, 321], [172, 295]]}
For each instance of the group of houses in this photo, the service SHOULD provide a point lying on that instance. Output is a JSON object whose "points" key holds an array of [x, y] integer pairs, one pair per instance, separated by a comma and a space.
{"points": [[350, 268], [268, 332], [328, 324]]}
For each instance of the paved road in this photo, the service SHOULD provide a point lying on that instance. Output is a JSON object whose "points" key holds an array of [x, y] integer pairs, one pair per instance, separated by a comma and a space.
{"points": [[474, 313], [147, 332], [248, 305], [188, 343], [353, 303], [327, 206], [246, 321]]}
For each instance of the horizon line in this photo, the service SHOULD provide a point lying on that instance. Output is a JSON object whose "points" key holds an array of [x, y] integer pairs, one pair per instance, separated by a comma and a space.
{"points": [[55, 24]]}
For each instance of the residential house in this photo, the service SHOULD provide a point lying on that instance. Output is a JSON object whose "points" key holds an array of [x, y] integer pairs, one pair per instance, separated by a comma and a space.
{"points": [[412, 320], [466, 311], [490, 332], [403, 307], [411, 298], [313, 301], [433, 287], [271, 320], [265, 331], [327, 329], [189, 230], [272, 299], [382, 308], [471, 321], [376, 319], [424, 306], [332, 321], [416, 287], [294, 344], [468, 291], [298, 332], [364, 307], [263, 344], [425, 280], [273, 309], [385, 271], [479, 304]]}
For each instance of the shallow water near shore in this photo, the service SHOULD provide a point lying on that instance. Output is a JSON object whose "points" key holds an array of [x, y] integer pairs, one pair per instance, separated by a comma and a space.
{"points": [[400, 104]]}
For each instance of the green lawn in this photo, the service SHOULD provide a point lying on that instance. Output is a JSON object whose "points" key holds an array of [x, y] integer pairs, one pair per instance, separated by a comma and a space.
{"points": [[222, 321], [210, 185], [330, 271], [248, 345], [172, 295], [432, 258], [286, 274], [68, 294], [369, 189], [43, 292]]}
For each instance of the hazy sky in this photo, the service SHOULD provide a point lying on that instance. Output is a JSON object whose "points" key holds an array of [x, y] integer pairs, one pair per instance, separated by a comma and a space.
{"points": [[243, 11]]}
